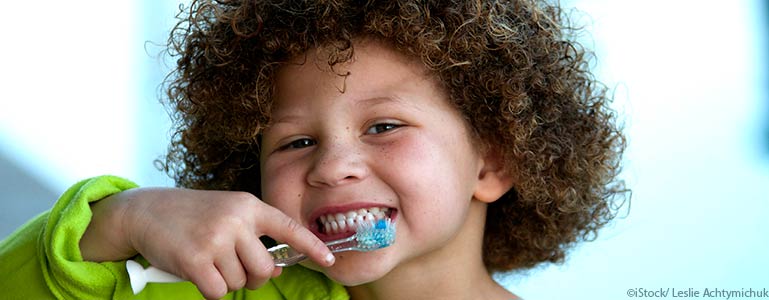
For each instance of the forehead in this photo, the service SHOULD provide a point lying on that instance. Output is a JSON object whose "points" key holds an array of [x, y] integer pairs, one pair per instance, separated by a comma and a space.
{"points": [[374, 68], [361, 51]]}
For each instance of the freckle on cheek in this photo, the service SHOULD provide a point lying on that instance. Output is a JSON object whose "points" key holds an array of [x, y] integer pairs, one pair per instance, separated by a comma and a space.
{"points": [[383, 151]]}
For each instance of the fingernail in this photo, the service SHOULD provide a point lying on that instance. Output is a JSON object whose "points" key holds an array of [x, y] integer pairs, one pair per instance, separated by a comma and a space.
{"points": [[330, 259]]}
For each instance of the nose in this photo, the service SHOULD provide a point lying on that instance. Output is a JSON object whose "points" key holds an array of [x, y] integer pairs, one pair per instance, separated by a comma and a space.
{"points": [[337, 164]]}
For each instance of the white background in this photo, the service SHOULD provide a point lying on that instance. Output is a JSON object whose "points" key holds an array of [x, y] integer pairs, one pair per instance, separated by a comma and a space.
{"points": [[79, 90]]}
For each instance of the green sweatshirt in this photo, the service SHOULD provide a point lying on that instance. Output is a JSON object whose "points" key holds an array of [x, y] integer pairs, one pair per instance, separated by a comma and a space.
{"points": [[42, 260]]}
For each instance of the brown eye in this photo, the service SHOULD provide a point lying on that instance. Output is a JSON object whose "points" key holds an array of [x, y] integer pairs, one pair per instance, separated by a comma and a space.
{"points": [[298, 144], [381, 128]]}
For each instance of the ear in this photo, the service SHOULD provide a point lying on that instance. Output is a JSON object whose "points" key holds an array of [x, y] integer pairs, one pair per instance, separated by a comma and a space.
{"points": [[493, 180]]}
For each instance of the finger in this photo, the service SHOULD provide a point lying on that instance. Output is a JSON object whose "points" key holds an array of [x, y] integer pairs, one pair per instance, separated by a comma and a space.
{"points": [[281, 227], [277, 271], [209, 281], [230, 268], [257, 262]]}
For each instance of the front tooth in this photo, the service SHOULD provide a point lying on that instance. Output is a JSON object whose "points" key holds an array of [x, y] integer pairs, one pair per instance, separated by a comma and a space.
{"points": [[369, 217], [339, 216], [327, 227], [351, 214], [342, 225], [351, 222], [334, 226], [362, 211]]}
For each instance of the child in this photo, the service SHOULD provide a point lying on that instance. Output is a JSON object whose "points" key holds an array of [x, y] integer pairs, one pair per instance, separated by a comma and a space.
{"points": [[475, 126]]}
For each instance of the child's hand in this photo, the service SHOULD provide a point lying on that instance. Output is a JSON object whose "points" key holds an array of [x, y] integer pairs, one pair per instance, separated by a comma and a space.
{"points": [[208, 237]]}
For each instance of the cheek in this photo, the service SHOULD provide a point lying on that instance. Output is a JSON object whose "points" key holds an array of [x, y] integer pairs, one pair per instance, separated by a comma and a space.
{"points": [[281, 186], [431, 180], [430, 162], [410, 163]]}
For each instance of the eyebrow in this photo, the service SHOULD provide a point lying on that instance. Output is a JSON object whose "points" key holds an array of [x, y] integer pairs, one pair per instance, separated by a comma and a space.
{"points": [[377, 100], [385, 100], [284, 119], [368, 102]]}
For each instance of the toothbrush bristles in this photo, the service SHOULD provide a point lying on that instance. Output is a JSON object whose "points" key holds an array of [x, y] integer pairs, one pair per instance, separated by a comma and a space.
{"points": [[375, 235]]}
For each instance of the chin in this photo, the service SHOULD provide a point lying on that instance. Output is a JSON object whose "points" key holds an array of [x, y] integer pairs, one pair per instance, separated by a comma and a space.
{"points": [[356, 268]]}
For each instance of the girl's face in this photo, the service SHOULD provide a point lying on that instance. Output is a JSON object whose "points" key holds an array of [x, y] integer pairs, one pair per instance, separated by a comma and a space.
{"points": [[384, 137]]}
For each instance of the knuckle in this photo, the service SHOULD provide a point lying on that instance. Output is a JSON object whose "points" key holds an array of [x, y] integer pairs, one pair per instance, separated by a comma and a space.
{"points": [[237, 284], [264, 269], [212, 289], [236, 212], [293, 226], [318, 244], [216, 292], [212, 240], [234, 223], [195, 260], [261, 269], [243, 199]]}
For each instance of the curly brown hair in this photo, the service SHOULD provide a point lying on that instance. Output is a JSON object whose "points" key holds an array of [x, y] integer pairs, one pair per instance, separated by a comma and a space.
{"points": [[513, 68]]}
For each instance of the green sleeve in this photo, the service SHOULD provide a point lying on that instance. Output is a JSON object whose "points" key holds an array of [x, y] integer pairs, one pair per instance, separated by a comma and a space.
{"points": [[42, 260]]}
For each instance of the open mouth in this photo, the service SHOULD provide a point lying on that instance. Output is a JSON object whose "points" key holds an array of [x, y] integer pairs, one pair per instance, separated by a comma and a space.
{"points": [[346, 223]]}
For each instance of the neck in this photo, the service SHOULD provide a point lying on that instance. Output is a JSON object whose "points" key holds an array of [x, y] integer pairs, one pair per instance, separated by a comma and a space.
{"points": [[455, 271]]}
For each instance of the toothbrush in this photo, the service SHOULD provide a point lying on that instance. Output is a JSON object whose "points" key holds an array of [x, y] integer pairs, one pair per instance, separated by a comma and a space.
{"points": [[368, 237]]}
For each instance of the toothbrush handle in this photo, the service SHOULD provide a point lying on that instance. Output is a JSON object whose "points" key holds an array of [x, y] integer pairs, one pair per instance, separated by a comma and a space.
{"points": [[285, 256], [158, 275], [139, 276], [282, 254]]}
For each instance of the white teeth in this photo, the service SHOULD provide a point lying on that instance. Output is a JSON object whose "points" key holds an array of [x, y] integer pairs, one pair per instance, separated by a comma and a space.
{"points": [[343, 222], [334, 226]]}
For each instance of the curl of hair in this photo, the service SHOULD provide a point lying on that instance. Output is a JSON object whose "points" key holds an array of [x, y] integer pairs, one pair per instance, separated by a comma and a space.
{"points": [[512, 68]]}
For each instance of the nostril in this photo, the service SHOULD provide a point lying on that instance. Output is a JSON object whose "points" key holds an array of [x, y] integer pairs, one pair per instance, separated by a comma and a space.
{"points": [[334, 167]]}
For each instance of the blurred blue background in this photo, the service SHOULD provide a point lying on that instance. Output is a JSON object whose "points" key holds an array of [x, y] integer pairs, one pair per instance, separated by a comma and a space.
{"points": [[79, 97]]}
